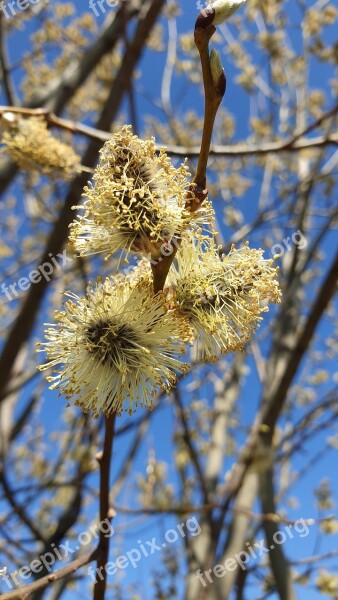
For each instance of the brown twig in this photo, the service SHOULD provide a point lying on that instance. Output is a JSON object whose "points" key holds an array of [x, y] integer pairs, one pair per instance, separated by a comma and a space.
{"points": [[279, 564], [190, 509], [189, 443], [106, 512], [294, 144], [197, 192], [243, 149], [213, 99], [325, 295], [9, 91], [27, 591], [19, 509], [52, 119]]}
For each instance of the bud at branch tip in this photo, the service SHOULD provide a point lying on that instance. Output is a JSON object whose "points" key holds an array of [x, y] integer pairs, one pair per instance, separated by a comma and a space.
{"points": [[217, 12]]}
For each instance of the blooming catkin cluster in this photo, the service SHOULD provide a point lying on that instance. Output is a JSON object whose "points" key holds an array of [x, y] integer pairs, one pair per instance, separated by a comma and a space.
{"points": [[121, 342], [137, 202], [222, 296], [33, 147], [118, 343]]}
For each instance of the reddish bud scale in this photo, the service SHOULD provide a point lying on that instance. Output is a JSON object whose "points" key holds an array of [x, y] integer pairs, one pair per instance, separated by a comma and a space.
{"points": [[221, 85], [205, 18]]}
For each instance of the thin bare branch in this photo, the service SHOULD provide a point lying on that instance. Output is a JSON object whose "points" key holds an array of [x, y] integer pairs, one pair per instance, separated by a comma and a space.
{"points": [[44, 582], [8, 86], [279, 565], [294, 144], [106, 512]]}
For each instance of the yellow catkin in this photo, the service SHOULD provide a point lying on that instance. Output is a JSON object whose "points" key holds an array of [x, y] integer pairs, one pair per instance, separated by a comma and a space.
{"points": [[136, 201], [119, 344], [33, 147], [222, 297]]}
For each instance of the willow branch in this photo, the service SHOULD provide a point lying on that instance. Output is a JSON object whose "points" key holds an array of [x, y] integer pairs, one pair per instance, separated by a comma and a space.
{"points": [[293, 144], [189, 443], [106, 512], [19, 509], [279, 564], [9, 91], [52, 119], [213, 99], [197, 192], [211, 506], [27, 591], [244, 149], [326, 293]]}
